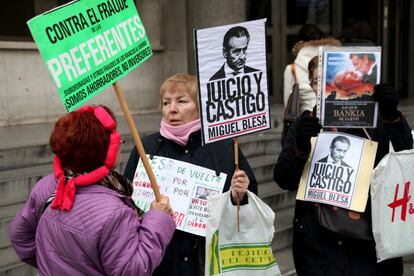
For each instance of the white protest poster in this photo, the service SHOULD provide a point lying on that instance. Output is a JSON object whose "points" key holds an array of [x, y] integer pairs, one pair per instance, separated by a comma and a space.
{"points": [[232, 79], [338, 171], [188, 186]]}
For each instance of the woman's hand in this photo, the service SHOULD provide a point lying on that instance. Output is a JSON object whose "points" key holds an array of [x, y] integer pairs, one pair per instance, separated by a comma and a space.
{"points": [[162, 205], [239, 184]]}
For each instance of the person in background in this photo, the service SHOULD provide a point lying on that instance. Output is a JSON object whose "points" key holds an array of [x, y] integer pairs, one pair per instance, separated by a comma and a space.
{"points": [[92, 226], [311, 38], [180, 139], [316, 251], [306, 33], [310, 32]]}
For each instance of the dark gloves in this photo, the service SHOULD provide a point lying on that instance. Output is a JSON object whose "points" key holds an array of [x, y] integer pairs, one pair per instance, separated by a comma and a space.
{"points": [[306, 127], [387, 99]]}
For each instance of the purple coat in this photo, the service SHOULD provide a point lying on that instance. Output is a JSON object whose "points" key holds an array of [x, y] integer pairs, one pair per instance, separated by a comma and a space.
{"points": [[101, 235]]}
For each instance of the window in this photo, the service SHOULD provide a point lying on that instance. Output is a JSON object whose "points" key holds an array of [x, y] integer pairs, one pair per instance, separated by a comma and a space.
{"points": [[13, 18], [15, 14], [300, 12]]}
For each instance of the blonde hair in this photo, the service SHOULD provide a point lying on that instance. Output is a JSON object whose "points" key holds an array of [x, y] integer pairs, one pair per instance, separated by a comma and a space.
{"points": [[179, 81]]}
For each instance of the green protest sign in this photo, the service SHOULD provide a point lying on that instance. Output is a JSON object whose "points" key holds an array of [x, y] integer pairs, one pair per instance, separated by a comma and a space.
{"points": [[88, 45]]}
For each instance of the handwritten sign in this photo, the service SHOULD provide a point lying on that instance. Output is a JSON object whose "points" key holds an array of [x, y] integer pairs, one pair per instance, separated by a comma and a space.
{"points": [[338, 171], [188, 186]]}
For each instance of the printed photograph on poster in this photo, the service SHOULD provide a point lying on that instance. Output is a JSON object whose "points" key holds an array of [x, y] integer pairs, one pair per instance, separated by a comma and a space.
{"points": [[348, 80], [232, 78], [334, 169], [204, 193], [188, 187]]}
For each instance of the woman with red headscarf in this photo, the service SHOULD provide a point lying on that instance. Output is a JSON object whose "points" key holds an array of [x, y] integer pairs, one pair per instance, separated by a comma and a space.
{"points": [[92, 226]]}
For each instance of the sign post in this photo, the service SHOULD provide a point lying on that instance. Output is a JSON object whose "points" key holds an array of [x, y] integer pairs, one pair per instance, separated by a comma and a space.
{"points": [[137, 140]]}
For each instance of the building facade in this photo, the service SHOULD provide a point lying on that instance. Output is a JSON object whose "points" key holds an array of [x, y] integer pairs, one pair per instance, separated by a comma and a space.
{"points": [[28, 95]]}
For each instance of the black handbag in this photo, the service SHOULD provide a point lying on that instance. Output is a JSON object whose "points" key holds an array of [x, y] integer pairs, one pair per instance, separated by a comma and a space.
{"points": [[292, 107], [345, 223]]}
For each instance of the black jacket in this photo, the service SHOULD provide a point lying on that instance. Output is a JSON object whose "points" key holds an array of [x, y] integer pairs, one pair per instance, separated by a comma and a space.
{"points": [[186, 252], [317, 251]]}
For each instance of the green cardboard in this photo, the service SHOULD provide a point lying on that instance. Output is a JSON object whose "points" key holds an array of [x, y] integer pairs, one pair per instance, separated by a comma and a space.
{"points": [[88, 45]]}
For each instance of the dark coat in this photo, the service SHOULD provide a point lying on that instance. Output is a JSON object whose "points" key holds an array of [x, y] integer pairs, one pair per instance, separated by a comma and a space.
{"points": [[186, 252], [220, 74], [317, 251]]}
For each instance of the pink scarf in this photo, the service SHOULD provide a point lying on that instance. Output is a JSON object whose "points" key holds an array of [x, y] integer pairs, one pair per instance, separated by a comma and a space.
{"points": [[179, 134]]}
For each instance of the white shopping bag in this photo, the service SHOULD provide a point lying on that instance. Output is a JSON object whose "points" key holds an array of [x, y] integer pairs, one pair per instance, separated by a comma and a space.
{"points": [[248, 252], [392, 200]]}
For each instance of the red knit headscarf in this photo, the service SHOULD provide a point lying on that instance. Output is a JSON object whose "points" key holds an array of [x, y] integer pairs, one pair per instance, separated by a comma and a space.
{"points": [[65, 192]]}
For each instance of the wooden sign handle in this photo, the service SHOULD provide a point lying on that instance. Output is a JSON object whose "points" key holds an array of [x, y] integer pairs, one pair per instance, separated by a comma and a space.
{"points": [[236, 162], [236, 152], [137, 139]]}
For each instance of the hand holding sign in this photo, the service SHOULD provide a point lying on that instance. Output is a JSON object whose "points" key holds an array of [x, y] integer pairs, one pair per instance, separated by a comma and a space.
{"points": [[387, 99], [162, 205], [239, 184], [306, 127]]}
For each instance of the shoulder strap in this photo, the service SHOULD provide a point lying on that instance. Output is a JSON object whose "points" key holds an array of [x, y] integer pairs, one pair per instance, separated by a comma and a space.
{"points": [[46, 203], [293, 70], [292, 110]]}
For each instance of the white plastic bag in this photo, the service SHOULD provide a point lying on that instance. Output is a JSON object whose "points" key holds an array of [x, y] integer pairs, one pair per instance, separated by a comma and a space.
{"points": [[392, 200], [248, 252]]}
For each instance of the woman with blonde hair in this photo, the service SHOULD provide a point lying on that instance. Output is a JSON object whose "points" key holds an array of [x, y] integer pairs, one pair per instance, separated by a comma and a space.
{"points": [[179, 138]]}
